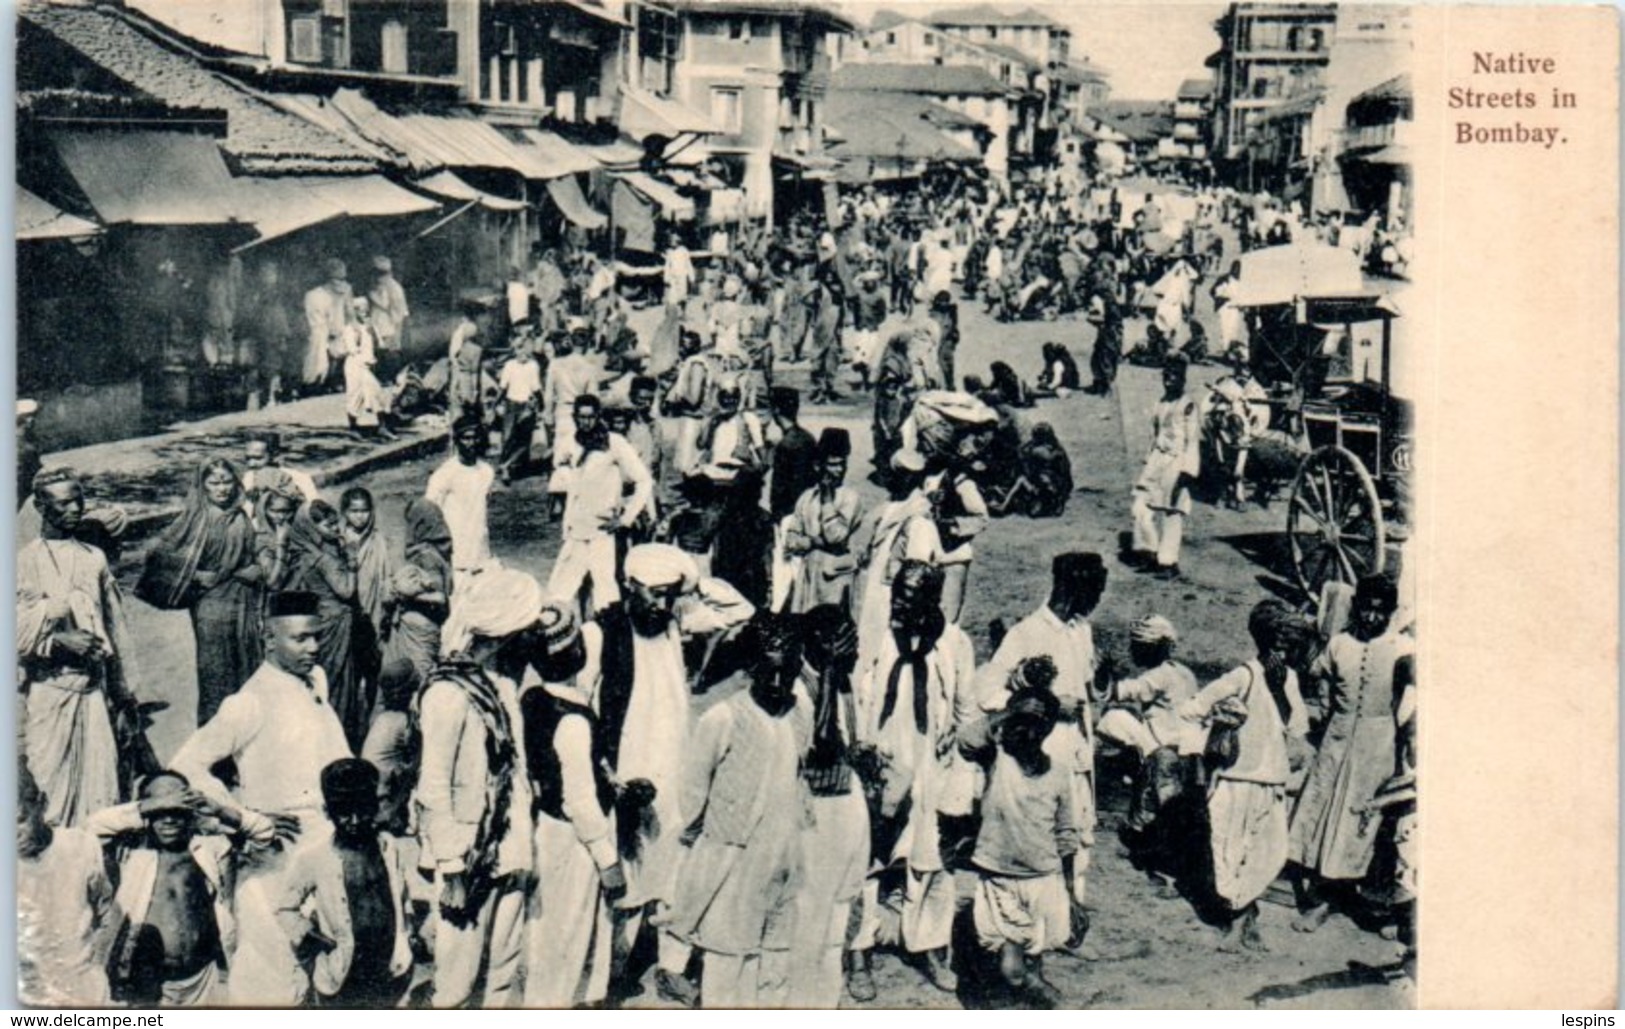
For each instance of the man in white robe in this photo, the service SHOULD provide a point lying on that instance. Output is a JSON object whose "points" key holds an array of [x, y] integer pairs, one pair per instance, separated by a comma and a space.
{"points": [[70, 626], [645, 701], [1060, 631], [910, 703]]}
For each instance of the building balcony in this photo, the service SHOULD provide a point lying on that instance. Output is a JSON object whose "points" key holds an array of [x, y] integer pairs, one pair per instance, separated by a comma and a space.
{"points": [[1370, 137]]}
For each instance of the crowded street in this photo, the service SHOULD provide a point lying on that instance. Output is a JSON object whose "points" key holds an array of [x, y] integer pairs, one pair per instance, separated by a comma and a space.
{"points": [[772, 579]]}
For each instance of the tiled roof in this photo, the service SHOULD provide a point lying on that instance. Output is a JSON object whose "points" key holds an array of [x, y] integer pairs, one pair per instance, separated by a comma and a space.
{"points": [[1142, 121], [1396, 88], [1195, 89], [1011, 54], [987, 14], [929, 79], [887, 20], [792, 9], [260, 138], [892, 125], [1072, 74]]}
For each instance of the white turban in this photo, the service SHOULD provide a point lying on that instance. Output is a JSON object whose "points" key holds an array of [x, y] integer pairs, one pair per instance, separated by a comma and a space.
{"points": [[656, 565], [1153, 629], [496, 603]]}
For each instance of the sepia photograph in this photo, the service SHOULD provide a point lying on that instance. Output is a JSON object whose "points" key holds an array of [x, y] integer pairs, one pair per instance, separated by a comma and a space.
{"points": [[660, 504]]}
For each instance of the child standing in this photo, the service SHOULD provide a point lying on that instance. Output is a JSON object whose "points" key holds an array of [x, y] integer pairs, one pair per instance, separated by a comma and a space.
{"points": [[521, 384], [1027, 839]]}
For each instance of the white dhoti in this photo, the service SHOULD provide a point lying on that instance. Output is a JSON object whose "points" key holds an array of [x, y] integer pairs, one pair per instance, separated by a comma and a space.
{"points": [[581, 561], [363, 396], [264, 973], [835, 857], [492, 942], [567, 958], [1031, 913], [1160, 506], [70, 747], [1250, 838], [686, 452], [200, 990]]}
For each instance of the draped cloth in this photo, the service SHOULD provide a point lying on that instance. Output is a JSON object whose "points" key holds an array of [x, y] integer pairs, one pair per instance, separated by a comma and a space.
{"points": [[320, 566], [68, 737], [415, 633], [218, 540]]}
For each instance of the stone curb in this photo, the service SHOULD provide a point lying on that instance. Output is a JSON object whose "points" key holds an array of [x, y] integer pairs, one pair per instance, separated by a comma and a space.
{"points": [[143, 526]]}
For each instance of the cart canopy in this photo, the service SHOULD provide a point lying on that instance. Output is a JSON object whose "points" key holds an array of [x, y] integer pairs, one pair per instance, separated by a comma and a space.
{"points": [[1294, 271]]}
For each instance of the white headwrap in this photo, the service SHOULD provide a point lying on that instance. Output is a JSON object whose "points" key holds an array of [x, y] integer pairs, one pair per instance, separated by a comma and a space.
{"points": [[660, 564], [1153, 629], [495, 604]]}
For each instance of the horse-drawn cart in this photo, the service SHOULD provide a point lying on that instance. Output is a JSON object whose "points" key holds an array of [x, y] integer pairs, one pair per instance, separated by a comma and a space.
{"points": [[1324, 341]]}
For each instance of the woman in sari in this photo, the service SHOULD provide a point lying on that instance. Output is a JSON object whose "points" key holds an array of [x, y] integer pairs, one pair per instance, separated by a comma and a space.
{"points": [[218, 581], [274, 511], [421, 588], [323, 565], [374, 566]]}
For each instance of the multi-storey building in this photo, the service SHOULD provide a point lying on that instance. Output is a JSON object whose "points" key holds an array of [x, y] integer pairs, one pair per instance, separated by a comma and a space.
{"points": [[1192, 114], [757, 72], [1040, 37], [1270, 54]]}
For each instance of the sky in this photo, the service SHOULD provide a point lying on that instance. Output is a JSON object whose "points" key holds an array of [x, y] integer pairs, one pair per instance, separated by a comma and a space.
{"points": [[1146, 49]]}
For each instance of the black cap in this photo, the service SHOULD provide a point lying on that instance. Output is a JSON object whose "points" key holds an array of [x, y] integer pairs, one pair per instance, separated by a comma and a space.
{"points": [[834, 443], [292, 604], [1078, 566]]}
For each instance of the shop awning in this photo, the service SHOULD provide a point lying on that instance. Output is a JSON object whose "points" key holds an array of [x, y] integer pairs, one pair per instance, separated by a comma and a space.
{"points": [[595, 9], [566, 193], [615, 155], [37, 220], [278, 207], [644, 115], [430, 142], [150, 178], [672, 203], [367, 196], [548, 156], [447, 184], [1393, 153]]}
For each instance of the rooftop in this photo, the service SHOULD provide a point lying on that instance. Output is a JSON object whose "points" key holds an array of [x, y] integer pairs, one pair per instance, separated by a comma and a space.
{"points": [[929, 79], [987, 14], [1195, 89], [790, 9], [895, 126], [1142, 121], [260, 138], [1397, 88]]}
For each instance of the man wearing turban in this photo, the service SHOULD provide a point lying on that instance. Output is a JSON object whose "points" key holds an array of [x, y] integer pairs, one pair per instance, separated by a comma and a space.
{"points": [[473, 800], [645, 708]]}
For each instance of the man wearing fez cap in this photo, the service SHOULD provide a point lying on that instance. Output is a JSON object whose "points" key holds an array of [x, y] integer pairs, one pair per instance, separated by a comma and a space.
{"points": [[819, 530], [280, 731], [354, 943], [1060, 630]]}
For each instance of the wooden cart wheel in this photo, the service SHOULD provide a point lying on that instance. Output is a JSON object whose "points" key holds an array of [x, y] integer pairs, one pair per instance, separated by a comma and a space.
{"points": [[1334, 522]]}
